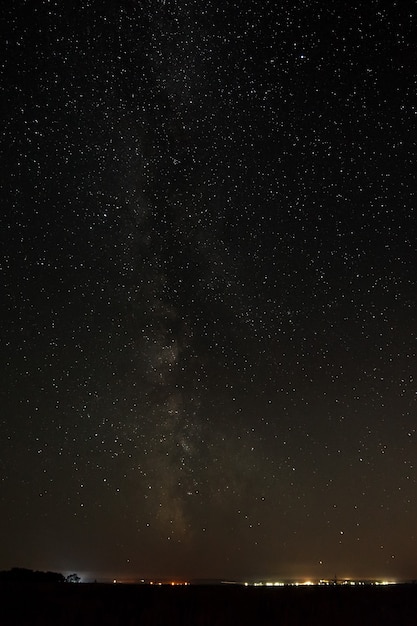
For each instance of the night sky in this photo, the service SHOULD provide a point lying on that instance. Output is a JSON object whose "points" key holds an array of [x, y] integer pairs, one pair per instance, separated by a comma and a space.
{"points": [[209, 288]]}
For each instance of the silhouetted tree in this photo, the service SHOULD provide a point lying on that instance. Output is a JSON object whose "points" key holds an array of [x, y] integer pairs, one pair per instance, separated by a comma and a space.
{"points": [[72, 578], [23, 575]]}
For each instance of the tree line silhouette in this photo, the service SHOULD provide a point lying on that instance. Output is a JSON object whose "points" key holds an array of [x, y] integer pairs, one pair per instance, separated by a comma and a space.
{"points": [[23, 575]]}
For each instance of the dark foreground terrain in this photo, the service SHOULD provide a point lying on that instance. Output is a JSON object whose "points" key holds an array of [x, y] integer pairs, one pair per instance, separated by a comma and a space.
{"points": [[130, 605]]}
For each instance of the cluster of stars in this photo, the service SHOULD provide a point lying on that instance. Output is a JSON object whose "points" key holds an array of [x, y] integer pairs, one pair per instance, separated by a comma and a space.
{"points": [[209, 285]]}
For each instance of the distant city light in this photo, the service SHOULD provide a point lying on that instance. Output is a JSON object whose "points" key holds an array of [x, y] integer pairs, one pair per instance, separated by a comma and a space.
{"points": [[321, 582]]}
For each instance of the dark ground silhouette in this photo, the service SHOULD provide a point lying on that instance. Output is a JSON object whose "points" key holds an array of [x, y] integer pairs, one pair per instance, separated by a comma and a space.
{"points": [[45, 604]]}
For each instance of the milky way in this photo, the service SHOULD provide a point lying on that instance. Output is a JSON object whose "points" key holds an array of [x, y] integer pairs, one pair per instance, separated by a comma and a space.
{"points": [[208, 288]]}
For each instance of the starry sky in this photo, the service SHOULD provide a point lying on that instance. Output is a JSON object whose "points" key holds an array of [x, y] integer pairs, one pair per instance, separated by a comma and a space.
{"points": [[208, 288]]}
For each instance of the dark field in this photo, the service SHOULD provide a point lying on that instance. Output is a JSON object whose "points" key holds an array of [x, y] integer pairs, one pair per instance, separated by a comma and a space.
{"points": [[129, 605]]}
